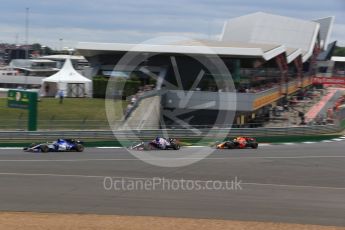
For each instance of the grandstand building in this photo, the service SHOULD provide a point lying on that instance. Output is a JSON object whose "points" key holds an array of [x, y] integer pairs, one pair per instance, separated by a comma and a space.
{"points": [[270, 57]]}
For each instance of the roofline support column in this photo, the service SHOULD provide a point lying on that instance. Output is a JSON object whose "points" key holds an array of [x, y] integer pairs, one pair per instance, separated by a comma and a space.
{"points": [[299, 66], [283, 67], [313, 64]]}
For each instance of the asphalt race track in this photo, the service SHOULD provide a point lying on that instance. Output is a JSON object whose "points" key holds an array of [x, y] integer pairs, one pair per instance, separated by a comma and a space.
{"points": [[302, 183]]}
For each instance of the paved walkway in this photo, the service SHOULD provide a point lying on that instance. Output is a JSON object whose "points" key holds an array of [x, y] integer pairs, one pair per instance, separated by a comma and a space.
{"points": [[321, 105]]}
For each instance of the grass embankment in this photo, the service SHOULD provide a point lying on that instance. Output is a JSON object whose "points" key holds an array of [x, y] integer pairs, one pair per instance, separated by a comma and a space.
{"points": [[73, 113]]}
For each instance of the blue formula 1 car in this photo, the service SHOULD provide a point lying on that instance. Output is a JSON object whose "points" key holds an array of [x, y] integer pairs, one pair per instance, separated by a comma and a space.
{"points": [[60, 145]]}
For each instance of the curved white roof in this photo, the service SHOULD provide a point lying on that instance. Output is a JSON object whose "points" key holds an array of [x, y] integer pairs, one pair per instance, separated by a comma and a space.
{"points": [[253, 35], [273, 29], [67, 74], [204, 47], [326, 25]]}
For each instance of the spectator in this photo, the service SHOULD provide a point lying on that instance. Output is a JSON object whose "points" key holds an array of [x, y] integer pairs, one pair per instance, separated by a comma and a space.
{"points": [[133, 99], [46, 88], [286, 107], [128, 109], [61, 96]]}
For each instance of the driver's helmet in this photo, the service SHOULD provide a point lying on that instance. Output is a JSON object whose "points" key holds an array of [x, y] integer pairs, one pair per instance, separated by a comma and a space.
{"points": [[157, 139]]}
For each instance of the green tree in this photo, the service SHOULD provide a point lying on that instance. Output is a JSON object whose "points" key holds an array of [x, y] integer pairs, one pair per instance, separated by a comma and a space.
{"points": [[45, 50], [36, 46], [339, 51]]}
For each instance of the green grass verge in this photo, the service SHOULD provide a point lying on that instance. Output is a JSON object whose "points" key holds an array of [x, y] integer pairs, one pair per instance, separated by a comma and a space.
{"points": [[73, 113]]}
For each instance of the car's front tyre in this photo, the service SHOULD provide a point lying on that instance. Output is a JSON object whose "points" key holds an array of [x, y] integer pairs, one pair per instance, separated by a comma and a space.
{"points": [[79, 148], [230, 145]]}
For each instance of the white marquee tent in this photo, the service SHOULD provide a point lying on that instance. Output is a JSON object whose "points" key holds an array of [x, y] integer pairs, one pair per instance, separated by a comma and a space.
{"points": [[72, 83]]}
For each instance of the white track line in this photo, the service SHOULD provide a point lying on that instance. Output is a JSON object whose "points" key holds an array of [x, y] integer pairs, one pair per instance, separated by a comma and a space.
{"points": [[46, 174], [71, 160], [337, 139], [294, 186], [170, 179], [265, 144]]}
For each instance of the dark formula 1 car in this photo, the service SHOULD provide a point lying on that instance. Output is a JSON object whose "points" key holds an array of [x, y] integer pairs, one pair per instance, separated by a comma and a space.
{"points": [[239, 143], [61, 145], [153, 145]]}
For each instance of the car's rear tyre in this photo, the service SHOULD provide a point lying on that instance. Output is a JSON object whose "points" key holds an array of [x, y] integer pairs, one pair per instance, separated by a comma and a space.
{"points": [[255, 145], [176, 147], [44, 148], [79, 148]]}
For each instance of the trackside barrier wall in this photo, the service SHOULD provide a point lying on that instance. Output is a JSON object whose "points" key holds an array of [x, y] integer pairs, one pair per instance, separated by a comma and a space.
{"points": [[178, 133]]}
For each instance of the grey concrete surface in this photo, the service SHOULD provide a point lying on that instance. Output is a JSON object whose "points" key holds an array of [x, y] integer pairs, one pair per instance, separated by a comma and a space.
{"points": [[302, 183]]}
